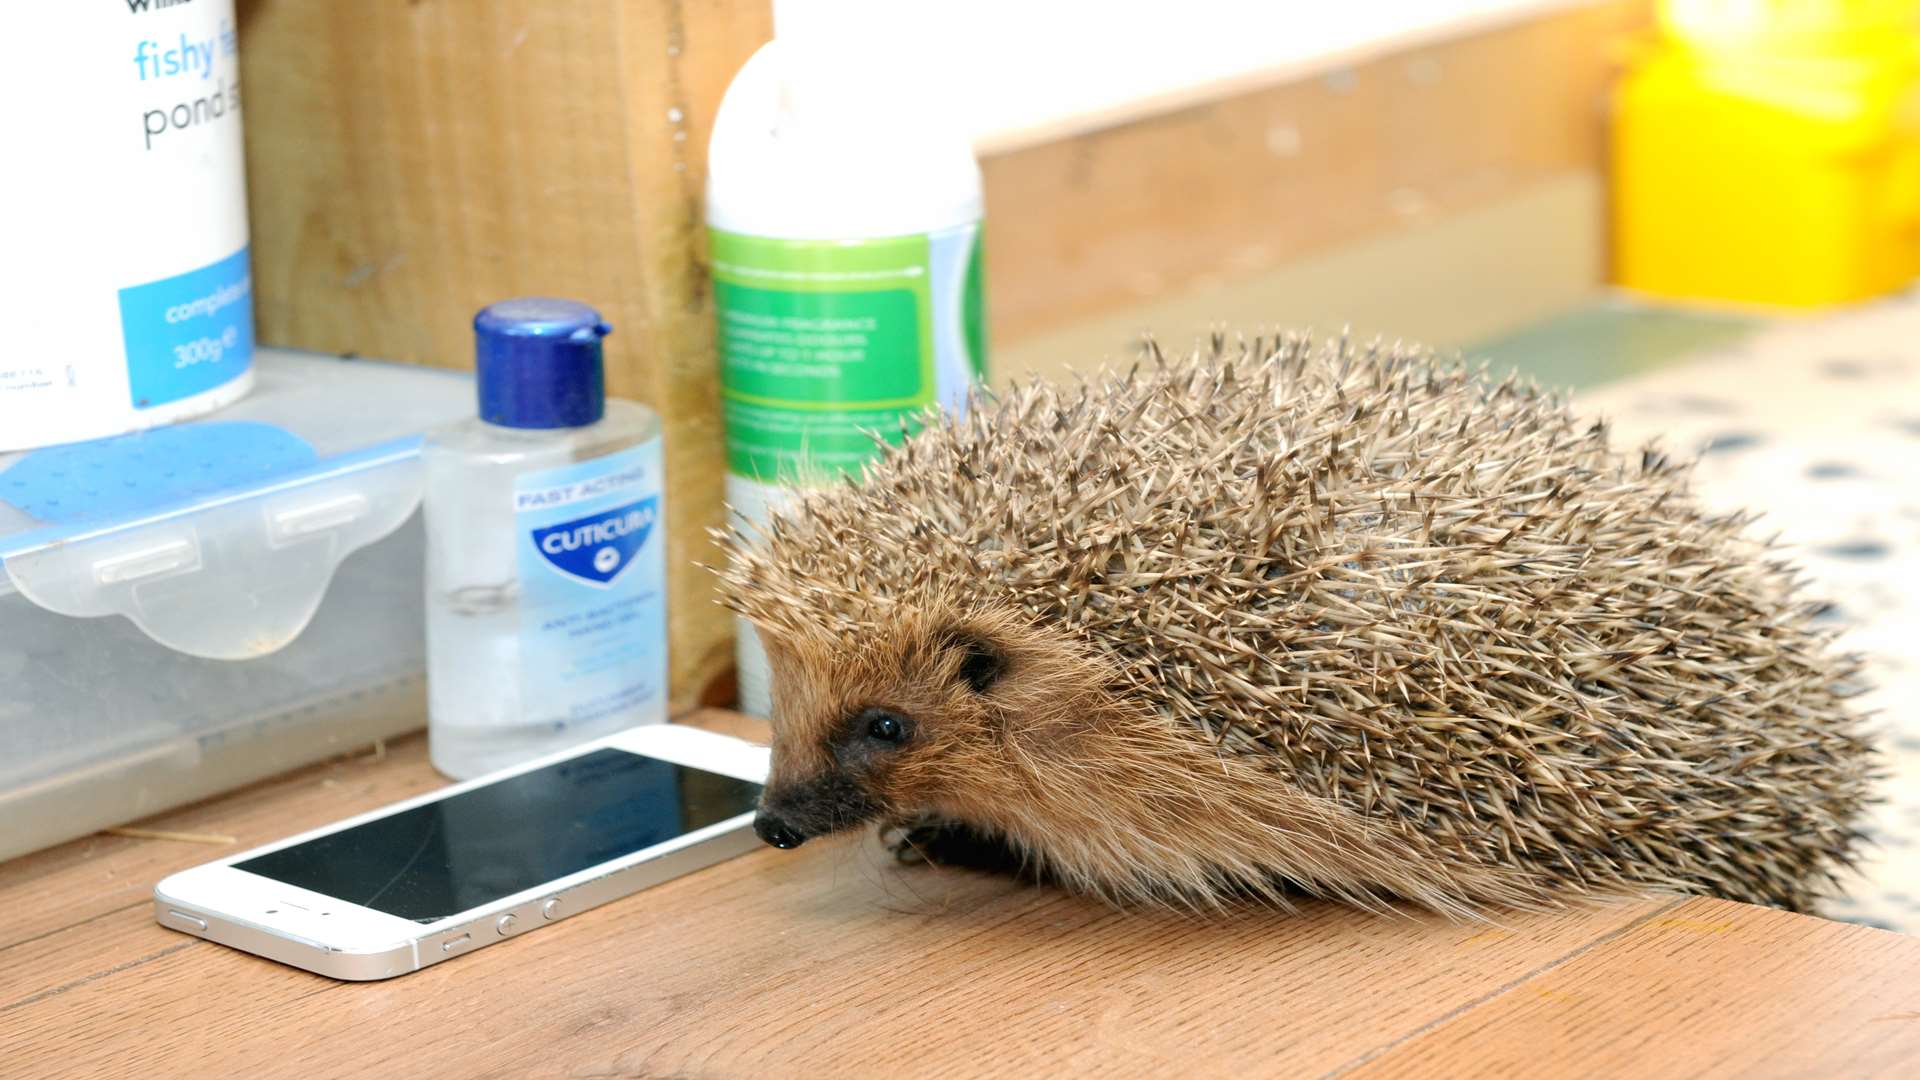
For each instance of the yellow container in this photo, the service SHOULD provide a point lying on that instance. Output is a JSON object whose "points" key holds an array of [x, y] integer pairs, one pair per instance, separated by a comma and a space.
{"points": [[1824, 26], [1767, 179]]}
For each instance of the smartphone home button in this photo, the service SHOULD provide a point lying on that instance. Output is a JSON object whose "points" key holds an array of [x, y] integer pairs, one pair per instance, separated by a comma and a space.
{"points": [[550, 909], [505, 925]]}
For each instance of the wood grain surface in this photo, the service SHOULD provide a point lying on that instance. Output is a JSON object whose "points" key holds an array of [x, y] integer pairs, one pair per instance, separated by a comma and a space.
{"points": [[831, 961]]}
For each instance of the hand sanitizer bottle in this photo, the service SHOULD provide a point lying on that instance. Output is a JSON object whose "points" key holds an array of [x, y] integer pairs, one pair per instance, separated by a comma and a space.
{"points": [[546, 590]]}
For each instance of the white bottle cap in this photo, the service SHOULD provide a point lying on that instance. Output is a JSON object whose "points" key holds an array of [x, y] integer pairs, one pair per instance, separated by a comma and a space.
{"points": [[832, 132]]}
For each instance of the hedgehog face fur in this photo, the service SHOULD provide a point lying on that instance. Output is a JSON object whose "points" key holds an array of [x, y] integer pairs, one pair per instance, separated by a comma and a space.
{"points": [[1272, 618]]}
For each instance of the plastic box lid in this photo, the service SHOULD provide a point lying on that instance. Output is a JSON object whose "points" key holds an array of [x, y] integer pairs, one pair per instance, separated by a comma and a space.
{"points": [[218, 537]]}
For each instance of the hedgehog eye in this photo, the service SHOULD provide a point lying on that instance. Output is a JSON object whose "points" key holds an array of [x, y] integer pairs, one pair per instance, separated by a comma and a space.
{"points": [[883, 726]]}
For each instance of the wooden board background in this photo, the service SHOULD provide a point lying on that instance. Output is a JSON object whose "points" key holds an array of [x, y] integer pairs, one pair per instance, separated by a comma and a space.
{"points": [[1190, 200], [408, 163]]}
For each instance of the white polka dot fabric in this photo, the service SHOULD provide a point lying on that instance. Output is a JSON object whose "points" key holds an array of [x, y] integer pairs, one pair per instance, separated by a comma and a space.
{"points": [[1816, 423]]}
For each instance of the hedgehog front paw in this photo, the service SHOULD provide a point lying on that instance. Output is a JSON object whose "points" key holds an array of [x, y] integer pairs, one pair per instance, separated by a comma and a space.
{"points": [[911, 841], [949, 843]]}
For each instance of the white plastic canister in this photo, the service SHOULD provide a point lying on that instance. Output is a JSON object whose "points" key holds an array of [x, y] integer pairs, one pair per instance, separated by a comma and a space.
{"points": [[123, 218], [845, 215]]}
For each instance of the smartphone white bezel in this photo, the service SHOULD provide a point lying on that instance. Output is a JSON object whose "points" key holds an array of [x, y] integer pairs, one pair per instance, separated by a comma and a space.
{"points": [[332, 937]]}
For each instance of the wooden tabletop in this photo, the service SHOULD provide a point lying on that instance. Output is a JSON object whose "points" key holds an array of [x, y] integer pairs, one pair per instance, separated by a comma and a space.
{"points": [[830, 961]]}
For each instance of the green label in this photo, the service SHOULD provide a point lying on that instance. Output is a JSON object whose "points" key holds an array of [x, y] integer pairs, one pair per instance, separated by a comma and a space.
{"points": [[822, 342]]}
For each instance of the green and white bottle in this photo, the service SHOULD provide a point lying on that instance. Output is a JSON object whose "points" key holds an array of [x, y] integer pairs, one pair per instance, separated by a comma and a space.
{"points": [[845, 226]]}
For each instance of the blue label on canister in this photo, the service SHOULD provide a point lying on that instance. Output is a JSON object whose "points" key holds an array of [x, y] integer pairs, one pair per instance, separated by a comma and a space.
{"points": [[188, 333], [593, 606]]}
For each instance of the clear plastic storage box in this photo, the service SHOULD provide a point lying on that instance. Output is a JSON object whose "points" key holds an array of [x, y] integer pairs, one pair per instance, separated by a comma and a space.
{"points": [[187, 610]]}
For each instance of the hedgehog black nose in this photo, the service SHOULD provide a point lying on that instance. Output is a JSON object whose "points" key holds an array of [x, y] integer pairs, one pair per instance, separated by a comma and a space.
{"points": [[777, 832]]}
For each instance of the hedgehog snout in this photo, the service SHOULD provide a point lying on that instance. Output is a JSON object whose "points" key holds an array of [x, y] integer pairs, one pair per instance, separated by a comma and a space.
{"points": [[777, 831], [793, 813]]}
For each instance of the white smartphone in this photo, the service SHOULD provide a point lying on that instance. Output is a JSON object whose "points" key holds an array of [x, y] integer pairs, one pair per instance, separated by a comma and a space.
{"points": [[443, 874]]}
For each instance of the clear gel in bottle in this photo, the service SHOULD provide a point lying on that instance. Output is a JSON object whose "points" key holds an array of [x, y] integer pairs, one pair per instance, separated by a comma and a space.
{"points": [[546, 540]]}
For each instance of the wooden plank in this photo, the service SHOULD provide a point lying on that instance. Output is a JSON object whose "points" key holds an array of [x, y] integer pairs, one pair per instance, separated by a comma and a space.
{"points": [[62, 886], [833, 960], [1239, 186], [1448, 283], [1703, 989], [65, 904], [812, 962], [91, 900], [409, 163]]}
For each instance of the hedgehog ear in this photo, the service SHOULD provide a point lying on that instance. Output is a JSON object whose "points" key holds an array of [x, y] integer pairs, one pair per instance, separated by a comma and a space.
{"points": [[981, 661]]}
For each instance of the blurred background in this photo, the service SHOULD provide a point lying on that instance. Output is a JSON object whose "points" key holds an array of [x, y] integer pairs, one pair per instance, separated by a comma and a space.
{"points": [[1481, 174], [1577, 189]]}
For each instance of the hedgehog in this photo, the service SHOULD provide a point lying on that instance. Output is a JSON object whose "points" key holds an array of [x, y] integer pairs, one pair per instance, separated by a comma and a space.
{"points": [[1279, 619]]}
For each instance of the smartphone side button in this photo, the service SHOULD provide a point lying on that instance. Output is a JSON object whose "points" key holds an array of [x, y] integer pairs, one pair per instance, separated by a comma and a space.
{"points": [[505, 925], [453, 943], [550, 909], [180, 920]]}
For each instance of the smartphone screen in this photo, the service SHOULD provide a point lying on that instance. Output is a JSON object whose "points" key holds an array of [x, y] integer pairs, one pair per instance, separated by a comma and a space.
{"points": [[448, 856]]}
